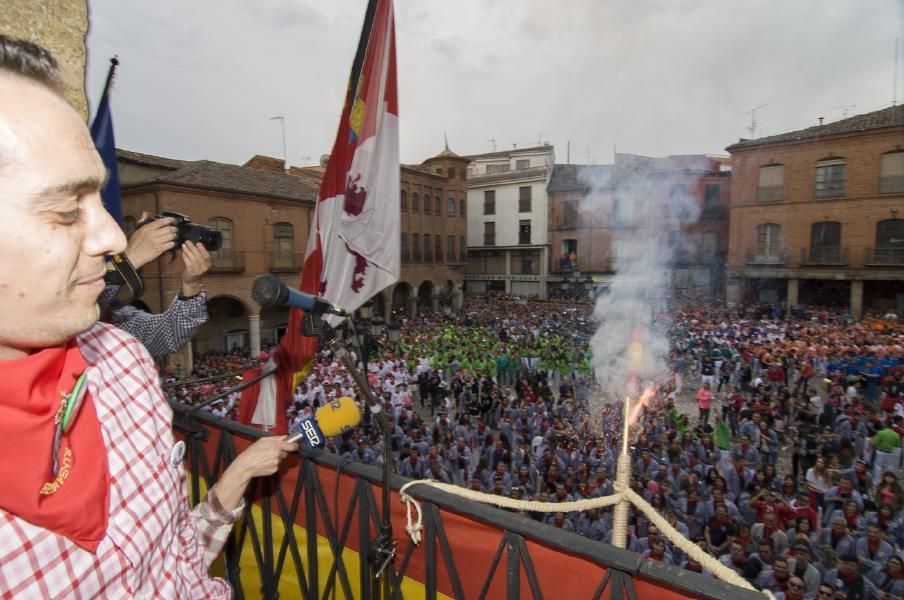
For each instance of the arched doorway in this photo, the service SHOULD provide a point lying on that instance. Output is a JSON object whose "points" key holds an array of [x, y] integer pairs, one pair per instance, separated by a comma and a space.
{"points": [[274, 324], [400, 296], [227, 328], [425, 296], [446, 293]]}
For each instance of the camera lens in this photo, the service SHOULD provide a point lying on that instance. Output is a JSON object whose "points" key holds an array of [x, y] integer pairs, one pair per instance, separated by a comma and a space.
{"points": [[207, 237]]}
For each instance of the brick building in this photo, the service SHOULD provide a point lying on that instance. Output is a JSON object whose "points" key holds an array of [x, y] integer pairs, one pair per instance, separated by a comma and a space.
{"points": [[264, 215], [594, 210], [817, 215]]}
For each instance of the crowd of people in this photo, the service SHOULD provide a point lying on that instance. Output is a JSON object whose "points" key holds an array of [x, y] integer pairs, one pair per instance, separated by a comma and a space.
{"points": [[788, 472]]}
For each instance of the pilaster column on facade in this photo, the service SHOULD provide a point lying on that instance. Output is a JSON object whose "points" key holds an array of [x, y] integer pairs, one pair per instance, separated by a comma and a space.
{"points": [[508, 271], [182, 359], [254, 334], [544, 272], [458, 297], [387, 308], [856, 299], [412, 307], [793, 289], [434, 302]]}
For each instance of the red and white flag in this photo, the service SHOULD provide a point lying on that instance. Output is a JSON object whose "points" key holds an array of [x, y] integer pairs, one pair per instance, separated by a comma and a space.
{"points": [[354, 247]]}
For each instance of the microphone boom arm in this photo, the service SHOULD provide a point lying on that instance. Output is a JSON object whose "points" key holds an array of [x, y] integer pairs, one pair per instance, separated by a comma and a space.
{"points": [[360, 381]]}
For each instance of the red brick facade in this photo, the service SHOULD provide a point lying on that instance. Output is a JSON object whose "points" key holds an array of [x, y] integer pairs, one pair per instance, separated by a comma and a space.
{"points": [[815, 234]]}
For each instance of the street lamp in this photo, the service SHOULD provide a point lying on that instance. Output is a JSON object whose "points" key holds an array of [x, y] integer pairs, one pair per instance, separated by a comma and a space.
{"points": [[376, 326], [395, 332]]}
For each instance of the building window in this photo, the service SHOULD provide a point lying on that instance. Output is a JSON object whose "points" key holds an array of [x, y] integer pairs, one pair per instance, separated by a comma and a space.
{"points": [[427, 205], [489, 233], [414, 203], [283, 244], [415, 247], [489, 202], [569, 259], [403, 201], [225, 255], [437, 206], [462, 249], [891, 173], [438, 248], [450, 248], [461, 207], [450, 207], [710, 245], [451, 172], [526, 262], [712, 200], [524, 199], [678, 204], [771, 184], [825, 242], [829, 178], [522, 164], [524, 231], [403, 247], [768, 240], [569, 214], [890, 241], [428, 249], [492, 169]]}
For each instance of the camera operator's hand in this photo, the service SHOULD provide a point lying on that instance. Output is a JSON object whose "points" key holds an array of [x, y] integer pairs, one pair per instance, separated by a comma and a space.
{"points": [[151, 240], [197, 262]]}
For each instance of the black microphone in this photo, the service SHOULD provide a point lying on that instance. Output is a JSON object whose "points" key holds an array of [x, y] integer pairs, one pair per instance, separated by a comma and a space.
{"points": [[268, 290]]}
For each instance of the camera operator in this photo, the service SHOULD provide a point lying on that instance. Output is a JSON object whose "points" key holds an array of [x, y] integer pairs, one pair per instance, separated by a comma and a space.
{"points": [[168, 331]]}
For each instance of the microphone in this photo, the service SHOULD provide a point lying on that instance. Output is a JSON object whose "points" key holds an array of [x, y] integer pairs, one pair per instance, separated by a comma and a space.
{"points": [[268, 290], [330, 420]]}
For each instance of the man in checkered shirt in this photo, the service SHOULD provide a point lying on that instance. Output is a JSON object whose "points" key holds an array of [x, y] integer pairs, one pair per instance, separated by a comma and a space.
{"points": [[93, 500]]}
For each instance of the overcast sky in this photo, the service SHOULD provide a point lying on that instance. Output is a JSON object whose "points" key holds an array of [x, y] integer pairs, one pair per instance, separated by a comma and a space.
{"points": [[201, 79]]}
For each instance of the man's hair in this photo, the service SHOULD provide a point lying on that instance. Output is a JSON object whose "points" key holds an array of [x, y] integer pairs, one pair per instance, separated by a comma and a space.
{"points": [[30, 60]]}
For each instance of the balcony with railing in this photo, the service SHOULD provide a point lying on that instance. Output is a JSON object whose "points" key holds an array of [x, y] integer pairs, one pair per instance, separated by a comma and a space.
{"points": [[311, 528], [885, 256], [776, 257], [286, 262], [227, 261], [567, 264], [824, 257]]}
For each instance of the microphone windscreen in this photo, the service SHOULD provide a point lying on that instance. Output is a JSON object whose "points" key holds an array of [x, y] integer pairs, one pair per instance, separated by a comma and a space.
{"points": [[338, 416], [265, 290]]}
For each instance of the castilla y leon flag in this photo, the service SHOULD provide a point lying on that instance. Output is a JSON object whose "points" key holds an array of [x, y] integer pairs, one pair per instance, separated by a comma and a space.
{"points": [[353, 247]]}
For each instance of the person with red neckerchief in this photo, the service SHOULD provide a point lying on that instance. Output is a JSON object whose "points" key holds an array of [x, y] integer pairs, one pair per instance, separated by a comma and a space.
{"points": [[93, 501]]}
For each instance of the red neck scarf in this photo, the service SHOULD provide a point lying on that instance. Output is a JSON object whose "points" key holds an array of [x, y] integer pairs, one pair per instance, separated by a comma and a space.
{"points": [[73, 504]]}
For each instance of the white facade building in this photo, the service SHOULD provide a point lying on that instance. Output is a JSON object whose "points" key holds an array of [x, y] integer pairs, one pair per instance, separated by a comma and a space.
{"points": [[508, 213]]}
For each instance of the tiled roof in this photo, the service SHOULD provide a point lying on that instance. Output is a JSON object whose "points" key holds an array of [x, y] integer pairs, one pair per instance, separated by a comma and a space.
{"points": [[576, 178], [223, 177], [880, 119], [149, 160]]}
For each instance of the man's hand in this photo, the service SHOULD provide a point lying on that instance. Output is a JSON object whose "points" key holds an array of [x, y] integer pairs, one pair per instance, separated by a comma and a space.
{"points": [[151, 240], [197, 262], [260, 459]]}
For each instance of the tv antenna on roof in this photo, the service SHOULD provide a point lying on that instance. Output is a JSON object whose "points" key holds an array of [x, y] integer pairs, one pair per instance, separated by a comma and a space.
{"points": [[844, 109], [493, 141], [753, 121]]}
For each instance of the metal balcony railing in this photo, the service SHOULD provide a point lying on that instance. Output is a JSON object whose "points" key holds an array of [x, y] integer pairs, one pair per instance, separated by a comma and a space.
{"points": [[304, 495], [227, 261], [885, 256], [772, 257], [827, 257], [281, 262]]}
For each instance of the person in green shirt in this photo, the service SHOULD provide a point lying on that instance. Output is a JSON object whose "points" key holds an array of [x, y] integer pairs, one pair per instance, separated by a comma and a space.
{"points": [[887, 443]]}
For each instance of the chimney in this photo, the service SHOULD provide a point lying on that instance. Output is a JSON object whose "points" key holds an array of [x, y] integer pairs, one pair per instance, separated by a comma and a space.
{"points": [[820, 120]]}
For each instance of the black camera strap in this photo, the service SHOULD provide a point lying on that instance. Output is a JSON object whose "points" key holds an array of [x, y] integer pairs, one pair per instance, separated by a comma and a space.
{"points": [[124, 273]]}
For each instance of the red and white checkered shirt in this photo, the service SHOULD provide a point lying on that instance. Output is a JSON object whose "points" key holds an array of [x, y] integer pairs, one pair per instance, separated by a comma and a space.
{"points": [[154, 546]]}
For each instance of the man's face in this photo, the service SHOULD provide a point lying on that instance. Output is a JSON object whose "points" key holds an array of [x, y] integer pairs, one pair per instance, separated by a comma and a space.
{"points": [[54, 230]]}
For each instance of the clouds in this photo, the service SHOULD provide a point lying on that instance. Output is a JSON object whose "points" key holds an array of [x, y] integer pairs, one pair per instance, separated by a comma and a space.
{"points": [[652, 77]]}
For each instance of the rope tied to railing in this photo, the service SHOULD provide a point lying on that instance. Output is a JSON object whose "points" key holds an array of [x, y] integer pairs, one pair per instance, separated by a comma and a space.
{"points": [[623, 493]]}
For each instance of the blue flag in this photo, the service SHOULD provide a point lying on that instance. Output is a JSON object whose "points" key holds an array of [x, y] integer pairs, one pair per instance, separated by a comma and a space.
{"points": [[102, 134]]}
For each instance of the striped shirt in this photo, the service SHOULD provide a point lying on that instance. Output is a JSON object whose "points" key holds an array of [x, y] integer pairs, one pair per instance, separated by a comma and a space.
{"points": [[154, 546]]}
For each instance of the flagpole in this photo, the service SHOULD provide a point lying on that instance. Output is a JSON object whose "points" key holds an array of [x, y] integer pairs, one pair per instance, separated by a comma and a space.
{"points": [[114, 62]]}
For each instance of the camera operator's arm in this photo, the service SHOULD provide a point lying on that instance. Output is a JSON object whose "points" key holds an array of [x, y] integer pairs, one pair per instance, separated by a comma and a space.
{"points": [[170, 330], [150, 240]]}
